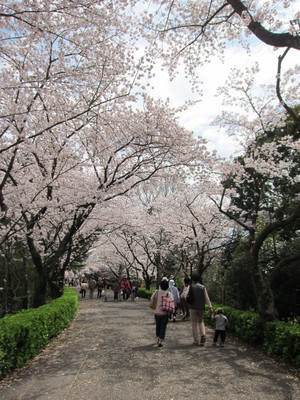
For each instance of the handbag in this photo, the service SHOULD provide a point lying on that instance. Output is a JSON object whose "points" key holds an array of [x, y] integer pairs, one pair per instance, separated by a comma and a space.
{"points": [[152, 303], [168, 305]]}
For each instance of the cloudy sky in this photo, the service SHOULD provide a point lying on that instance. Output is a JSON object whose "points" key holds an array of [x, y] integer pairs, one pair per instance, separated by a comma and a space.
{"points": [[199, 117]]}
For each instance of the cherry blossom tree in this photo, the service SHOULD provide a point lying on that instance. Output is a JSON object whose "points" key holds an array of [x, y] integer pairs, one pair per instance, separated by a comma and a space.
{"points": [[69, 142], [71, 181], [165, 221], [195, 31], [264, 191]]}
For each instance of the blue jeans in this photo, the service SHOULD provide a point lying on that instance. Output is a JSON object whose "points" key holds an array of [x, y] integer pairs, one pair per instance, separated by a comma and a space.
{"points": [[161, 325]]}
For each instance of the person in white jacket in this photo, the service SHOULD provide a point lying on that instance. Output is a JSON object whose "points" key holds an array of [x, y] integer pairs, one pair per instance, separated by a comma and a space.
{"points": [[221, 323], [175, 293]]}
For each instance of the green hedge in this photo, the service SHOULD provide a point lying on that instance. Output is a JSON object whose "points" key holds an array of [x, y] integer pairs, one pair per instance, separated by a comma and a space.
{"points": [[24, 335], [283, 339], [278, 338], [144, 293]]}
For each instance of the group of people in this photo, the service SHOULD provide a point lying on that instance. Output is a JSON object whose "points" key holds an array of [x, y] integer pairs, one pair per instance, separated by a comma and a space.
{"points": [[191, 300], [122, 288], [92, 285]]}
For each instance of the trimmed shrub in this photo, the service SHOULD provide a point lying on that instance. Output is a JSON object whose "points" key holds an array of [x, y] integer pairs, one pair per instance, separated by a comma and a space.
{"points": [[144, 293], [24, 335], [283, 339]]}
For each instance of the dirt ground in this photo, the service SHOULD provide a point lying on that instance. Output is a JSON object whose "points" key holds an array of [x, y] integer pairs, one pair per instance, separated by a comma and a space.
{"points": [[109, 352]]}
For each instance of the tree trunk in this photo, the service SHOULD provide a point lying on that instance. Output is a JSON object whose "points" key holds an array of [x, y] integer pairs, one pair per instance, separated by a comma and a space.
{"points": [[263, 293], [40, 290], [56, 283], [26, 295]]}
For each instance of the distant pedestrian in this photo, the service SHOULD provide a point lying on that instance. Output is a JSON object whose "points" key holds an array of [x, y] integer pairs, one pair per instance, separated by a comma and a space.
{"points": [[185, 307], [83, 288], [220, 329], [134, 289], [100, 287], [92, 287], [175, 293], [116, 290], [198, 297], [161, 317], [126, 288]]}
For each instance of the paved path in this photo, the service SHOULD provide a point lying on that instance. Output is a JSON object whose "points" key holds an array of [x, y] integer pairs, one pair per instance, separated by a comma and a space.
{"points": [[108, 353]]}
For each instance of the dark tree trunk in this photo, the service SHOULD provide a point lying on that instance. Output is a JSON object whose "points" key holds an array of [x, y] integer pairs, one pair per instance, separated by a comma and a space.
{"points": [[263, 293], [40, 290]]}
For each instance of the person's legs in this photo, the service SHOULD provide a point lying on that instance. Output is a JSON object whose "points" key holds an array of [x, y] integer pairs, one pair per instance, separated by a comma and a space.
{"points": [[216, 336], [223, 337], [187, 312], [161, 327], [157, 323], [193, 314], [201, 326]]}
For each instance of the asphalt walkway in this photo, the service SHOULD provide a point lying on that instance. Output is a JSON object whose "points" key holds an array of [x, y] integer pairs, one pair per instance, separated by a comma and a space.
{"points": [[108, 353]]}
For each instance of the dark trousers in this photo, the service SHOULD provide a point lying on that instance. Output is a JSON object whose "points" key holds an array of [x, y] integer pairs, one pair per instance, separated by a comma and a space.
{"points": [[222, 334], [126, 294], [161, 325]]}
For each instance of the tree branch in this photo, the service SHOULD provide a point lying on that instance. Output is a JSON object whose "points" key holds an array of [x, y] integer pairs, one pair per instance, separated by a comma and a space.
{"points": [[268, 37]]}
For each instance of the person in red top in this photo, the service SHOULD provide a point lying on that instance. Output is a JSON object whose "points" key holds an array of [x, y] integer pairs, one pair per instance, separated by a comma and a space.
{"points": [[185, 307], [126, 288]]}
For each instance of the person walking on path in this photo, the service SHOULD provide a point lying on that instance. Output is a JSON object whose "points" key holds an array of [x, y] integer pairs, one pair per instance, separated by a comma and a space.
{"points": [[221, 323], [126, 288], [83, 288], [116, 290], [174, 291], [100, 286], [92, 286], [198, 297], [161, 317], [185, 307]]}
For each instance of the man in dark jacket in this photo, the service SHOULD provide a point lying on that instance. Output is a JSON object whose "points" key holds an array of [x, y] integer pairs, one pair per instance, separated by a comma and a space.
{"points": [[198, 297], [92, 286]]}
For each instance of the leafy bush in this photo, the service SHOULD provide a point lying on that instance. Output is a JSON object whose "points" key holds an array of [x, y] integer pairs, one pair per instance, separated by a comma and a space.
{"points": [[145, 293], [283, 339], [24, 335]]}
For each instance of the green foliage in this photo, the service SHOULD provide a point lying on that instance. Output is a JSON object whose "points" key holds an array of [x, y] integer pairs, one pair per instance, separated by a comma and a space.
{"points": [[145, 293], [283, 339], [286, 286], [24, 335], [17, 277], [238, 285]]}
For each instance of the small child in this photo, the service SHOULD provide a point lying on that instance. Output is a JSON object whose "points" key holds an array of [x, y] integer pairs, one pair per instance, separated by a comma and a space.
{"points": [[221, 322]]}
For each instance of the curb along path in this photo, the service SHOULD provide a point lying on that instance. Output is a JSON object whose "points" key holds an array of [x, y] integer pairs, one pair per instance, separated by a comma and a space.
{"points": [[109, 352]]}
